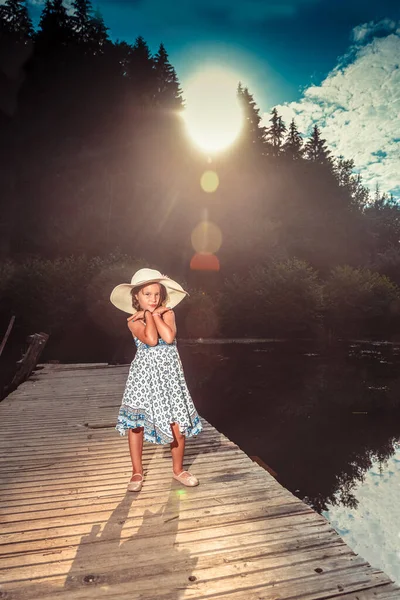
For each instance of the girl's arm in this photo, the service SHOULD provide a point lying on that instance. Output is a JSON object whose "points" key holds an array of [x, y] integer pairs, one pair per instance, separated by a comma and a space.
{"points": [[145, 333], [165, 324]]}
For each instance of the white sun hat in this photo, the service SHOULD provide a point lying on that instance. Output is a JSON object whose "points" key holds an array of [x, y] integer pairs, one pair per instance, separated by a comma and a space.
{"points": [[121, 295]]}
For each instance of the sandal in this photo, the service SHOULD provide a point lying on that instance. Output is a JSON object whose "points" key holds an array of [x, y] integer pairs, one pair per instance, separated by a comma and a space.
{"points": [[135, 486], [186, 478]]}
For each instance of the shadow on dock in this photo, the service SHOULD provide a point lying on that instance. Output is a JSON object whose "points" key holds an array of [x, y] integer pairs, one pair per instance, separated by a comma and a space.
{"points": [[103, 560]]}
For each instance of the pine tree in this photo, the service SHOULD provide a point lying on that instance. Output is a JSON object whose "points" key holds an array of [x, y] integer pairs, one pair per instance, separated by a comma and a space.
{"points": [[253, 132], [168, 91], [293, 145], [361, 193], [316, 149], [275, 133], [351, 184], [89, 30], [15, 20], [384, 220], [55, 31], [98, 32], [81, 20], [378, 197], [142, 71]]}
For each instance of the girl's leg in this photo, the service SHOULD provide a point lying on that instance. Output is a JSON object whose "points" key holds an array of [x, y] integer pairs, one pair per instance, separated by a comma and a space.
{"points": [[135, 439], [177, 449]]}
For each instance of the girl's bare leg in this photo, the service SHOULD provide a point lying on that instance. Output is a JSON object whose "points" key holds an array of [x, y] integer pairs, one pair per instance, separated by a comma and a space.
{"points": [[177, 449], [135, 439]]}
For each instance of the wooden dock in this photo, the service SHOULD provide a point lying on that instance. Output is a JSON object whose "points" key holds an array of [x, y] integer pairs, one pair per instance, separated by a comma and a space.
{"points": [[69, 530]]}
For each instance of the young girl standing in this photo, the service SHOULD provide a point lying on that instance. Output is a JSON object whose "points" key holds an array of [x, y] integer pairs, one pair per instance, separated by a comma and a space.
{"points": [[156, 404]]}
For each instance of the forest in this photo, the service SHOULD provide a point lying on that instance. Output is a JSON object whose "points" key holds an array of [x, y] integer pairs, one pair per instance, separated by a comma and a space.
{"points": [[98, 178]]}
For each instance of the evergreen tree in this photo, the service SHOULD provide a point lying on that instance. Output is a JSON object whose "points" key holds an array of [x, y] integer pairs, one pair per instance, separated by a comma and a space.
{"points": [[15, 50], [379, 199], [168, 91], [361, 193], [350, 183], [89, 30], [142, 71], [343, 170], [316, 149], [15, 20], [383, 216], [293, 145], [55, 28], [98, 33], [81, 18], [276, 132], [120, 55], [253, 132]]}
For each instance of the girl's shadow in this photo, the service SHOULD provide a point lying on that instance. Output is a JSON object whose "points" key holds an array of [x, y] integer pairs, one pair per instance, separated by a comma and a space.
{"points": [[155, 540], [146, 559], [103, 559]]}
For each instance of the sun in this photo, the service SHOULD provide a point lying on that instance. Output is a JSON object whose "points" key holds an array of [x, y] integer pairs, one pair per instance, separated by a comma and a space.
{"points": [[213, 115]]}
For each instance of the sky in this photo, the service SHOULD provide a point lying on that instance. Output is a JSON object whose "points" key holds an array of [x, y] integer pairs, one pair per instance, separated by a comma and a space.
{"points": [[331, 62]]}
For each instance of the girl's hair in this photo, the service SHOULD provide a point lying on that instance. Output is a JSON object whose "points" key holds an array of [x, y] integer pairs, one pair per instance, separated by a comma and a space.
{"points": [[136, 290]]}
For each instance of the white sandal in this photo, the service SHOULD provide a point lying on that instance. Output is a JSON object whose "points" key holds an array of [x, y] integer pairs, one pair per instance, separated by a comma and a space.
{"points": [[188, 479], [135, 486]]}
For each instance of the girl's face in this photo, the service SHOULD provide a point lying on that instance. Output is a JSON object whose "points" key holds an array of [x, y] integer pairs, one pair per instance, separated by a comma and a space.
{"points": [[149, 297]]}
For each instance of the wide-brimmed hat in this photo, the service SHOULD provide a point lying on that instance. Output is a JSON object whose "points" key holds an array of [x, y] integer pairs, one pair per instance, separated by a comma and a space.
{"points": [[121, 295]]}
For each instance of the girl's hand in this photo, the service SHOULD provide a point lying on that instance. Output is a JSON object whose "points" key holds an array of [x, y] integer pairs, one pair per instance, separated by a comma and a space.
{"points": [[161, 310], [136, 317]]}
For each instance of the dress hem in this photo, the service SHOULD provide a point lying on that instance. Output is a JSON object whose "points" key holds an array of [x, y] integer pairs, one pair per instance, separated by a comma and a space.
{"points": [[151, 432]]}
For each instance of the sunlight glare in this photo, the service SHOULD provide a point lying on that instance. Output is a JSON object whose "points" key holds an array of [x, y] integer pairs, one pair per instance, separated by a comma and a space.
{"points": [[213, 115], [206, 237], [209, 182]]}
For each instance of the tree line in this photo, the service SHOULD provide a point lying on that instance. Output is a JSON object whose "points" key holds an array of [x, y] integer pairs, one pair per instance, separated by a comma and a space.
{"points": [[96, 160]]}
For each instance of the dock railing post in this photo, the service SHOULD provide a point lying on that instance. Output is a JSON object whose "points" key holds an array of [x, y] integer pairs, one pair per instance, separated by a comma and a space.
{"points": [[28, 362]]}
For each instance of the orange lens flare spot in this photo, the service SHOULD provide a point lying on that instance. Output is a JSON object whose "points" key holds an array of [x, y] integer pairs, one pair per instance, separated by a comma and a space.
{"points": [[203, 261]]}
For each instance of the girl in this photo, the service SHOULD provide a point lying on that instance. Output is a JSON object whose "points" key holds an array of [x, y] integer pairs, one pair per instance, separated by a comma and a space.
{"points": [[156, 404]]}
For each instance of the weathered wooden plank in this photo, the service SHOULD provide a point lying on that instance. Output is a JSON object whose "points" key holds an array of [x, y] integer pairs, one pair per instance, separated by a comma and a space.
{"points": [[238, 581], [382, 592], [262, 556], [121, 531], [280, 541]]}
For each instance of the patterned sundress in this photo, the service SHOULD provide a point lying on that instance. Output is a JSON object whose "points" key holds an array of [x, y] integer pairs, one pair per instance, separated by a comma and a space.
{"points": [[156, 395]]}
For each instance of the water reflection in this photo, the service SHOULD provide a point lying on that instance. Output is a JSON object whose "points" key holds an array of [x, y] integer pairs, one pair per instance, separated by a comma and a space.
{"points": [[373, 530], [320, 419]]}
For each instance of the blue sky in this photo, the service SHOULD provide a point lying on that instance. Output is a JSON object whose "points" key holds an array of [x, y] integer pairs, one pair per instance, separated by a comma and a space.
{"points": [[279, 46], [311, 58]]}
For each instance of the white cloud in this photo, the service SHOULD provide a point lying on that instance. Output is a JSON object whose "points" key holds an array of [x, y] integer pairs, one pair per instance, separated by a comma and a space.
{"points": [[363, 33], [357, 106], [373, 529]]}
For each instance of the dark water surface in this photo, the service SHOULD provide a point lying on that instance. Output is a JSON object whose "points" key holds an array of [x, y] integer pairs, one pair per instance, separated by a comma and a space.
{"points": [[327, 422], [318, 420]]}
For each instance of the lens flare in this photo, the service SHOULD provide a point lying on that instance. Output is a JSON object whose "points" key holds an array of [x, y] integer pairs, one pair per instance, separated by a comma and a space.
{"points": [[213, 115], [209, 181], [206, 237], [204, 261]]}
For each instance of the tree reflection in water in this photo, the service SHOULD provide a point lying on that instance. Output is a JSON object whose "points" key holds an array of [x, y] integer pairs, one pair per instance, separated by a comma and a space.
{"points": [[318, 418]]}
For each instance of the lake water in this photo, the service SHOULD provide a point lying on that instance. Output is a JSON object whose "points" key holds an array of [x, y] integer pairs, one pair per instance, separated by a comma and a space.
{"points": [[327, 422]]}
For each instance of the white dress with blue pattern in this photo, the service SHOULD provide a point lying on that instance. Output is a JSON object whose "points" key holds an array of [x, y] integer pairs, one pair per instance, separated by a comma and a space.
{"points": [[156, 395]]}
